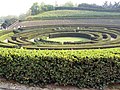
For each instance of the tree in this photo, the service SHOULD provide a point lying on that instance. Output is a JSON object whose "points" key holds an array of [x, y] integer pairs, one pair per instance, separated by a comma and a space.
{"points": [[116, 5], [47, 8], [105, 5], [68, 4], [35, 9], [110, 5], [85, 5]]}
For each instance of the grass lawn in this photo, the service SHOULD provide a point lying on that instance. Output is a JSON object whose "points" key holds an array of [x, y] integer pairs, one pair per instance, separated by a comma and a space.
{"points": [[68, 39]]}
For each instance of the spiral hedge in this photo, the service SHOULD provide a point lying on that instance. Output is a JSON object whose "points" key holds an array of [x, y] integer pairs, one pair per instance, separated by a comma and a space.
{"points": [[99, 37], [60, 63]]}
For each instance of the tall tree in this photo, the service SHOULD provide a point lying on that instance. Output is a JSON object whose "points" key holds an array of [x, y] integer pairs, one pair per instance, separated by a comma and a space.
{"points": [[35, 9], [116, 5], [105, 5]]}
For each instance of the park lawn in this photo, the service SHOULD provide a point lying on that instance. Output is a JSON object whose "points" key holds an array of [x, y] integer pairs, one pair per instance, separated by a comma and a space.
{"points": [[68, 39]]}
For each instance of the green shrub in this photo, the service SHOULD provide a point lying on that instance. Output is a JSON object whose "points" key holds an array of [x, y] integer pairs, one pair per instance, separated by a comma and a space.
{"points": [[82, 68]]}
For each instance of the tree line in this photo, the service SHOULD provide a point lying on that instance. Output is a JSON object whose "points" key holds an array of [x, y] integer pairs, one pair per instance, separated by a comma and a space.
{"points": [[107, 6]]}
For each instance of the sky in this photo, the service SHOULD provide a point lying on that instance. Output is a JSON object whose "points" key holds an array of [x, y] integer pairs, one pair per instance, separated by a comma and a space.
{"points": [[17, 7]]}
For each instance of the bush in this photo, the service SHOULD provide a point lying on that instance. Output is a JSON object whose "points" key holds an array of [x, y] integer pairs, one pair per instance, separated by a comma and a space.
{"points": [[88, 8], [82, 68]]}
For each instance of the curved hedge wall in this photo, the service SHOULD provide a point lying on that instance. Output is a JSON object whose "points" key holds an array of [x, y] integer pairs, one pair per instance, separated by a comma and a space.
{"points": [[69, 34], [99, 37], [82, 68]]}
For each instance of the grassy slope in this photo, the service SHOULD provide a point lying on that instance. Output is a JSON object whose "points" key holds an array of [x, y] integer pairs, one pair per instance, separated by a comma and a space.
{"points": [[58, 14]]}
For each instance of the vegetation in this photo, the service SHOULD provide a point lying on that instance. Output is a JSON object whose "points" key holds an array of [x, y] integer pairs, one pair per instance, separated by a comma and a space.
{"points": [[107, 6], [68, 14], [84, 68], [61, 62], [36, 38], [6, 36], [67, 39], [36, 8]]}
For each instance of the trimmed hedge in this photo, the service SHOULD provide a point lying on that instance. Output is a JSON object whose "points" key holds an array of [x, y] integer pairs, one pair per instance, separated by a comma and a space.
{"points": [[82, 68], [86, 8], [69, 34], [95, 33]]}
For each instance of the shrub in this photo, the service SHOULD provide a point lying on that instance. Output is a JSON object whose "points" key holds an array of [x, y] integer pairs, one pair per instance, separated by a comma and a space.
{"points": [[84, 68]]}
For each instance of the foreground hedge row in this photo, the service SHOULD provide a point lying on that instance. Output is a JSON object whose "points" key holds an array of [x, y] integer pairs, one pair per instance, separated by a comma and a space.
{"points": [[82, 68]]}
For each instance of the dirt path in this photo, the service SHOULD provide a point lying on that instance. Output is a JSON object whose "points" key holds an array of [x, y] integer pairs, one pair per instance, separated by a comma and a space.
{"points": [[11, 85]]}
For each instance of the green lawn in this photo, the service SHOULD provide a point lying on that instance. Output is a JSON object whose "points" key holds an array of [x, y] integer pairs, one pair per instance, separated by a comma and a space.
{"points": [[67, 39], [58, 14]]}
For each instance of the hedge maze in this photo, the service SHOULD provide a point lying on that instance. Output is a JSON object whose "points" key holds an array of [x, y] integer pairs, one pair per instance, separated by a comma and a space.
{"points": [[61, 62], [98, 36]]}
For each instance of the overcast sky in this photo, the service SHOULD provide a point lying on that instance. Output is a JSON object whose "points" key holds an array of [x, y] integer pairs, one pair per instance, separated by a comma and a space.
{"points": [[17, 7]]}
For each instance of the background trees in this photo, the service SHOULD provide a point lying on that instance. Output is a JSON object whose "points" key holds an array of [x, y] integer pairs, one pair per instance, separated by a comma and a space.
{"points": [[36, 8], [107, 6], [85, 5]]}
